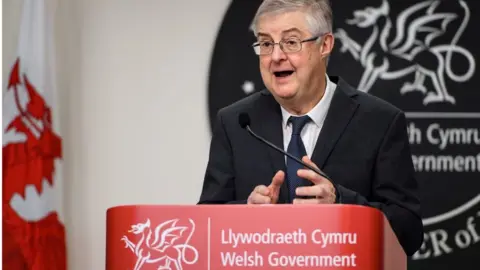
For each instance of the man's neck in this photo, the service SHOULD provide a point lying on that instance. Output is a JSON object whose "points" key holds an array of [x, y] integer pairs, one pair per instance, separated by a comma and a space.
{"points": [[303, 106]]}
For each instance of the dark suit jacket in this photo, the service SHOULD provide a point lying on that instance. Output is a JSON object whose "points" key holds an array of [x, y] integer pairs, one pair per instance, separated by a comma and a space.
{"points": [[363, 147]]}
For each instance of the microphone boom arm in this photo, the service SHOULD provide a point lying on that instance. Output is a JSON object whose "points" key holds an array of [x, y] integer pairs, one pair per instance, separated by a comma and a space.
{"points": [[288, 154]]}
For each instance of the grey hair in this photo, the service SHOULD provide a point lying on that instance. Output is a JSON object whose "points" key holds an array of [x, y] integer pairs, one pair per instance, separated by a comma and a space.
{"points": [[318, 13]]}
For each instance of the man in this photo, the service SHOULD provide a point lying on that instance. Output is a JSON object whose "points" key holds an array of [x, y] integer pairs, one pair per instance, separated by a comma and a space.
{"points": [[358, 140]]}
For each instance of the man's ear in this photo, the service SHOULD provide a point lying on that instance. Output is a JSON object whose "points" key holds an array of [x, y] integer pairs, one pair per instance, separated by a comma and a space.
{"points": [[327, 45]]}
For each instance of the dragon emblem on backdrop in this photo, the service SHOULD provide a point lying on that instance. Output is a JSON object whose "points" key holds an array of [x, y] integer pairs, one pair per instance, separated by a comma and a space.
{"points": [[165, 246], [415, 43]]}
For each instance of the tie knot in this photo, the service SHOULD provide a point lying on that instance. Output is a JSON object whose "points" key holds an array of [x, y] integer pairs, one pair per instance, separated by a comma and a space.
{"points": [[298, 123]]}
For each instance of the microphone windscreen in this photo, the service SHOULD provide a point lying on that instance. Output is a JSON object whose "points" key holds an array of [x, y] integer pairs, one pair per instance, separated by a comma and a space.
{"points": [[244, 120]]}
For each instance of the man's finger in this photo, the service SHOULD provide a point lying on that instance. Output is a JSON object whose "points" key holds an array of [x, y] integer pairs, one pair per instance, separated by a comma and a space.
{"points": [[311, 201], [315, 191], [260, 199], [263, 190], [321, 193], [311, 176], [309, 162]]}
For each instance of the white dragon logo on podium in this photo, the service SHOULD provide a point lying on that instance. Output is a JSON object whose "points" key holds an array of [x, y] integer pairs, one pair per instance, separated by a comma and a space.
{"points": [[416, 28], [159, 246]]}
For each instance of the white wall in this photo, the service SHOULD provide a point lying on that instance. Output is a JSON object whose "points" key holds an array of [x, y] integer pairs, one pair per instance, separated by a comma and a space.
{"points": [[133, 112]]}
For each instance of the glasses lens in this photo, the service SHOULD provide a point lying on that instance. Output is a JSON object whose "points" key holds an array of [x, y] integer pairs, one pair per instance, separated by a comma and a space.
{"points": [[292, 45], [266, 47]]}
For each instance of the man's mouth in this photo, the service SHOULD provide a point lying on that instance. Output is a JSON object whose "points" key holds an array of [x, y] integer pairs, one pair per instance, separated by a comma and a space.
{"points": [[283, 73]]}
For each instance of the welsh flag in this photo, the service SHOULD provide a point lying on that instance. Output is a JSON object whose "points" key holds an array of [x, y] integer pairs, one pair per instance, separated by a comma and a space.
{"points": [[33, 233]]}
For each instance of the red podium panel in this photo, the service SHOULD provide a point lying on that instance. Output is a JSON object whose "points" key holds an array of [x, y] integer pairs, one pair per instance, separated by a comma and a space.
{"points": [[214, 237]]}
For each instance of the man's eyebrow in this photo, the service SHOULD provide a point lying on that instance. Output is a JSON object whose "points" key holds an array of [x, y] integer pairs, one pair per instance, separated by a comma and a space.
{"points": [[293, 29], [263, 35]]}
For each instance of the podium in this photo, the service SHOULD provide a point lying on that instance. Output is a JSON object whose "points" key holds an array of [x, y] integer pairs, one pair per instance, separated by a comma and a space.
{"points": [[214, 237]]}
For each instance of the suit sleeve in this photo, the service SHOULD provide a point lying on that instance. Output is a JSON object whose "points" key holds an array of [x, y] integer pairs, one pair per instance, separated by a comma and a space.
{"points": [[219, 180], [394, 187]]}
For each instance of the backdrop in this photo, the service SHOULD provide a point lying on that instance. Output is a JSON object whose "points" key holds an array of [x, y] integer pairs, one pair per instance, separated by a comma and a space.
{"points": [[140, 80], [418, 55]]}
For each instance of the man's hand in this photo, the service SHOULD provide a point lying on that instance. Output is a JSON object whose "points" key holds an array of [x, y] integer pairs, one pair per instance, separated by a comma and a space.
{"points": [[322, 191], [266, 195]]}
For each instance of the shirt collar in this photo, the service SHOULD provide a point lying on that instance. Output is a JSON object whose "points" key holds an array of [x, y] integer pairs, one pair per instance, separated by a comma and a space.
{"points": [[319, 112]]}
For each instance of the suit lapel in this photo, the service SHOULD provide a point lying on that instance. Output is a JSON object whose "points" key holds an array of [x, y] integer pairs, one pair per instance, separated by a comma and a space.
{"points": [[341, 110], [270, 115]]}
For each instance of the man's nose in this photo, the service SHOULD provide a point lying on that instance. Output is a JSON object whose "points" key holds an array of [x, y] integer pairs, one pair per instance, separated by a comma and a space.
{"points": [[278, 54]]}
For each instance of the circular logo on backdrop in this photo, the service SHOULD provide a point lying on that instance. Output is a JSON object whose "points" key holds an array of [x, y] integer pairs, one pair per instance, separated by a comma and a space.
{"points": [[419, 56]]}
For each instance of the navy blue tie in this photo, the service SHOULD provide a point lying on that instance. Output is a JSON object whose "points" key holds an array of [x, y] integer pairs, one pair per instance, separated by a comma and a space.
{"points": [[297, 149]]}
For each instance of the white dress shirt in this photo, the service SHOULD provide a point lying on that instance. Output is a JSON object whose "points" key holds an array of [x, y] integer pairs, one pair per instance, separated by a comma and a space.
{"points": [[312, 129]]}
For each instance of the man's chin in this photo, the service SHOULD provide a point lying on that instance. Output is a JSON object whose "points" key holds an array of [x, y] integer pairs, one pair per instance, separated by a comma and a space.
{"points": [[285, 94]]}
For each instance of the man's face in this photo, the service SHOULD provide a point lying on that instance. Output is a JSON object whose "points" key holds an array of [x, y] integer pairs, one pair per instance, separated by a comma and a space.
{"points": [[290, 76]]}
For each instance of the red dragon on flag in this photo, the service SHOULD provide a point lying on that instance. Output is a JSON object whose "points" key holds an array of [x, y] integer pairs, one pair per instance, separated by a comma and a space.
{"points": [[33, 237]]}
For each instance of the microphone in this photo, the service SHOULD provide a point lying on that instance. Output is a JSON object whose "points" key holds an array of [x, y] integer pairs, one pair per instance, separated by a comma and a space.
{"points": [[244, 121]]}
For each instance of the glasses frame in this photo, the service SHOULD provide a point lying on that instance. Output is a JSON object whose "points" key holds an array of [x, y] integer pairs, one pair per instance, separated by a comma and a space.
{"points": [[281, 42]]}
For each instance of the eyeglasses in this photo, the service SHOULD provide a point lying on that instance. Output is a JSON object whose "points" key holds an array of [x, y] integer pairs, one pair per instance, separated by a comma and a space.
{"points": [[290, 45]]}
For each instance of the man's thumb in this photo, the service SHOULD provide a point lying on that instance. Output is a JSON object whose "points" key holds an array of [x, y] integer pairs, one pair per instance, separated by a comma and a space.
{"points": [[277, 180]]}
